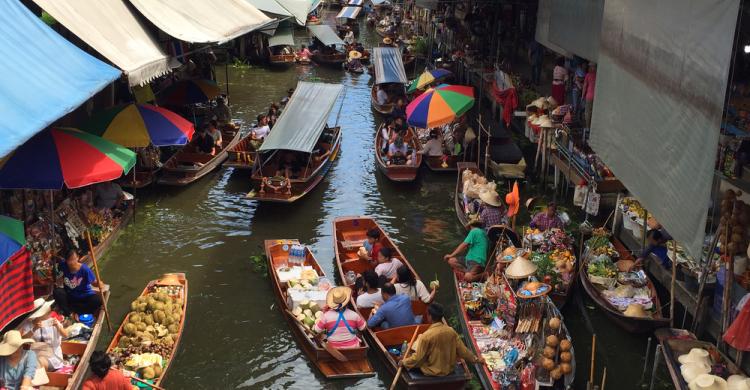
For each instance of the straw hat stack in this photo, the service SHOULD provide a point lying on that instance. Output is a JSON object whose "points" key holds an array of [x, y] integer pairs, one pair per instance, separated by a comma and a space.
{"points": [[738, 382], [690, 371], [520, 268], [708, 382]]}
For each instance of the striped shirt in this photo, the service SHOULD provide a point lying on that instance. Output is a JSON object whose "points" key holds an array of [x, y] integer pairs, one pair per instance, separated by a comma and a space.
{"points": [[341, 337]]}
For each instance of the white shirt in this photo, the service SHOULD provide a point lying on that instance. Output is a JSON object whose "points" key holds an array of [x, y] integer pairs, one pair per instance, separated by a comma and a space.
{"points": [[367, 300], [48, 334], [421, 292], [349, 38], [261, 132], [389, 269], [433, 147], [385, 133], [382, 96]]}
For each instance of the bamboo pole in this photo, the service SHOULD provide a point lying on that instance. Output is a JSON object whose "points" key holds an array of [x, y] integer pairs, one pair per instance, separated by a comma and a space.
{"points": [[671, 285], [604, 379], [406, 353], [99, 279], [593, 354]]}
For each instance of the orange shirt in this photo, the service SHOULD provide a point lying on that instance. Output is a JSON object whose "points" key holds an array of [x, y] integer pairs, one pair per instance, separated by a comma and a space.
{"points": [[114, 380]]}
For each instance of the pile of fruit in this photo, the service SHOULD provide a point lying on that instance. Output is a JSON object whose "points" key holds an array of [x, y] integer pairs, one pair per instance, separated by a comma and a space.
{"points": [[634, 207], [307, 313], [556, 356], [735, 218], [307, 280], [602, 268], [563, 260]]}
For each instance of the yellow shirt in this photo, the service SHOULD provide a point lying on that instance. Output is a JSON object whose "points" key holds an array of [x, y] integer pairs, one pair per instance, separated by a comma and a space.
{"points": [[438, 350]]}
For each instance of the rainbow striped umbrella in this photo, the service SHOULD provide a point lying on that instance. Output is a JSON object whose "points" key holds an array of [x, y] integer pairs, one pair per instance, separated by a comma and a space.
{"points": [[138, 125], [426, 78], [62, 156], [439, 105], [189, 92]]}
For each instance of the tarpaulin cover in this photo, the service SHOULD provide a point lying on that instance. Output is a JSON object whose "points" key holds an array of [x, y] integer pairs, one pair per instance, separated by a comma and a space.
{"points": [[304, 117], [378, 2], [111, 29], [356, 3], [574, 25], [201, 21], [388, 65], [325, 34], [42, 75], [661, 83], [349, 12], [270, 6], [282, 37], [299, 8], [543, 15]]}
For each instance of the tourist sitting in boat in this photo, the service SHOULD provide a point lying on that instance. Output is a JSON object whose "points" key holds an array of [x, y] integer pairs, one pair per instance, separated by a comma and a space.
{"points": [[77, 295], [407, 284], [48, 333], [261, 130], [369, 295], [399, 110], [103, 378], [475, 245], [439, 347], [657, 247], [400, 124], [340, 323], [204, 142], [547, 219], [381, 95], [289, 93], [434, 145], [17, 365], [372, 246], [328, 50], [398, 153], [221, 112], [215, 133], [349, 37], [491, 210], [387, 264], [304, 53], [388, 135], [289, 166], [108, 195], [396, 311]]}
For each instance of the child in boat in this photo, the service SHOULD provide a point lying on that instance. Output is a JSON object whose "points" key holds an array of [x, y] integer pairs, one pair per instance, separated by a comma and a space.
{"points": [[387, 264], [372, 246], [340, 323]]}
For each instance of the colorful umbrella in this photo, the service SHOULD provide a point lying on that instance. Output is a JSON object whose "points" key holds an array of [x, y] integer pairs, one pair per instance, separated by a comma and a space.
{"points": [[428, 77], [440, 105], [189, 92], [138, 125], [59, 156], [12, 237]]}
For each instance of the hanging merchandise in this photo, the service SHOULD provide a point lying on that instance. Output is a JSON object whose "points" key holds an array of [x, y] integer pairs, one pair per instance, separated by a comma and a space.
{"points": [[579, 196], [592, 204]]}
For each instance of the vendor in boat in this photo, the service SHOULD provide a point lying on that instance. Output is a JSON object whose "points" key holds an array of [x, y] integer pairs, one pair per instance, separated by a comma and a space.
{"points": [[439, 347], [303, 53], [395, 312], [475, 245], [381, 95], [547, 219], [434, 145], [656, 246], [77, 295], [369, 294], [204, 142], [108, 195], [340, 323], [17, 364], [387, 264], [221, 112], [400, 124], [48, 333], [354, 60], [492, 210], [398, 153], [289, 166], [103, 378], [407, 284], [371, 245], [215, 133]]}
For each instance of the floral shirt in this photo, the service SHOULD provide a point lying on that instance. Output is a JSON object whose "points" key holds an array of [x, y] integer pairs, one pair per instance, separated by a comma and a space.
{"points": [[544, 222]]}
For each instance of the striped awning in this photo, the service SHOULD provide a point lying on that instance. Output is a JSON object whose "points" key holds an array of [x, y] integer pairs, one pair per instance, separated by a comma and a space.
{"points": [[349, 12]]}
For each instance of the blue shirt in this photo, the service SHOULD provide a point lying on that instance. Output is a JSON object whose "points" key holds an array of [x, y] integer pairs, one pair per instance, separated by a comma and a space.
{"points": [[395, 312], [13, 376], [660, 252], [78, 284]]}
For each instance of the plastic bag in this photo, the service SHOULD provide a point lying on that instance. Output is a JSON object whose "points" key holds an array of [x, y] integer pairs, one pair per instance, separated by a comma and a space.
{"points": [[579, 196], [592, 205]]}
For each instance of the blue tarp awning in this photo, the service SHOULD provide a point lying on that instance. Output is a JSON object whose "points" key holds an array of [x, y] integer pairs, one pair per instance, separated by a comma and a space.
{"points": [[349, 12], [42, 75], [388, 65]]}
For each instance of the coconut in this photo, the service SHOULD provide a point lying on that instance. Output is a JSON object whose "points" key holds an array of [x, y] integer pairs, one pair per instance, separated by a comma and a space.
{"points": [[548, 364], [552, 340], [554, 323], [549, 352], [566, 357], [565, 345], [556, 373]]}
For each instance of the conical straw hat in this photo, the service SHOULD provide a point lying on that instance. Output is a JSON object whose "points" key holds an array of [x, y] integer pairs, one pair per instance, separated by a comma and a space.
{"points": [[520, 268], [708, 382]]}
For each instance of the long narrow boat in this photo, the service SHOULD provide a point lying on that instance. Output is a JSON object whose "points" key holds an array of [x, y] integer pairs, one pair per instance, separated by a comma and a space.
{"points": [[435, 163], [629, 324], [677, 342], [334, 59], [390, 76], [277, 253], [242, 154], [349, 234], [281, 60], [283, 39], [401, 172], [188, 165], [83, 351], [325, 34], [300, 131], [458, 197], [102, 247], [175, 285], [468, 325], [384, 109]]}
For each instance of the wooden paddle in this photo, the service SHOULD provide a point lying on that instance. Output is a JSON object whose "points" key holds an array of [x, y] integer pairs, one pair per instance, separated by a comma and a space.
{"points": [[333, 351], [139, 380], [99, 279], [401, 366]]}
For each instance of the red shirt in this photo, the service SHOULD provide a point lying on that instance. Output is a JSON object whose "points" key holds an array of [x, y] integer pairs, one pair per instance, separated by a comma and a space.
{"points": [[375, 250], [113, 381]]}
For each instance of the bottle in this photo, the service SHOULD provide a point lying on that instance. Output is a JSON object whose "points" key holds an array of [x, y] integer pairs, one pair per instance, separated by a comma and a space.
{"points": [[404, 348], [351, 277]]}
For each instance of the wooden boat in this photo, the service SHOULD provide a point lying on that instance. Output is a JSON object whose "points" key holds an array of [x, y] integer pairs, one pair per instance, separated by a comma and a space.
{"points": [[277, 252], [283, 60], [458, 196], [383, 32], [102, 247], [485, 375], [435, 163], [384, 109], [271, 188], [187, 165], [349, 234], [335, 59], [142, 179], [83, 351], [303, 61], [629, 324], [242, 154], [177, 279], [400, 173]]}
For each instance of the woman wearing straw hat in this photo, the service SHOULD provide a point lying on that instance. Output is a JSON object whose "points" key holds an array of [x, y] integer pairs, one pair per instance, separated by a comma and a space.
{"points": [[475, 245], [340, 323], [17, 365], [491, 210], [48, 334]]}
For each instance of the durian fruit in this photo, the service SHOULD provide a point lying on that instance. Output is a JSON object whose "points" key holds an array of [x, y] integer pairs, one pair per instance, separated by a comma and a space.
{"points": [[129, 329], [141, 326], [124, 342], [134, 318], [173, 328], [148, 373], [159, 316], [159, 305], [142, 307], [134, 305], [148, 319], [152, 304]]}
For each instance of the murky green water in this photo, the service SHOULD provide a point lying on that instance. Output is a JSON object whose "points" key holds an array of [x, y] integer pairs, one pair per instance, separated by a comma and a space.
{"points": [[235, 337]]}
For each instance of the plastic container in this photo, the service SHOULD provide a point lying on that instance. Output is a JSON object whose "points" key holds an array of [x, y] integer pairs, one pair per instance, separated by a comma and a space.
{"points": [[87, 319]]}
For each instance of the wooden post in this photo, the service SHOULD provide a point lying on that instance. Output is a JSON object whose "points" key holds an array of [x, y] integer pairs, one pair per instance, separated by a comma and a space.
{"points": [[671, 285], [99, 280], [593, 355], [657, 356]]}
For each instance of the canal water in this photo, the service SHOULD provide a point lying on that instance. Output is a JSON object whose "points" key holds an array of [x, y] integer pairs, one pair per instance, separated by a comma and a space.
{"points": [[235, 336]]}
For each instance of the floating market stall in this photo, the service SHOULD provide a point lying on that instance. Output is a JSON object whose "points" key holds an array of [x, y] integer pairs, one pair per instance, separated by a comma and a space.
{"points": [[553, 254]]}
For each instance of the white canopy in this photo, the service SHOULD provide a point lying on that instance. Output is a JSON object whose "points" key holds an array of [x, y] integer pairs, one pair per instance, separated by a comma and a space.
{"points": [[299, 8], [112, 30], [325, 34], [201, 21], [349, 12], [271, 7]]}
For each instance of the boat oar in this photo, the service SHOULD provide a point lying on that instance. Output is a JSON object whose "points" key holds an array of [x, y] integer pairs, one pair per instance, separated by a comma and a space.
{"points": [[99, 279], [406, 353], [140, 380], [333, 351]]}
